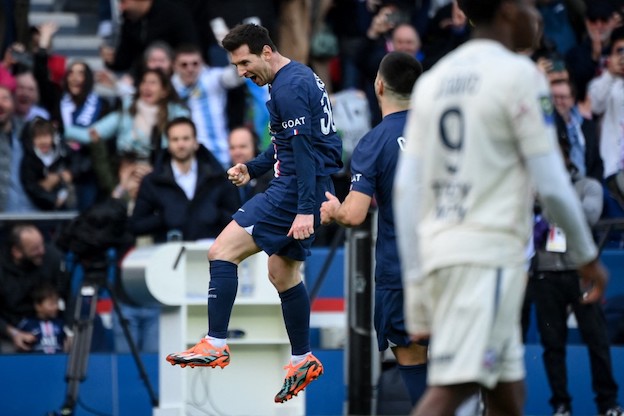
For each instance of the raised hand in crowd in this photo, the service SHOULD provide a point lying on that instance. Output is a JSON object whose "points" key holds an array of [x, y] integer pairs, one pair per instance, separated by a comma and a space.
{"points": [[46, 33], [382, 23]]}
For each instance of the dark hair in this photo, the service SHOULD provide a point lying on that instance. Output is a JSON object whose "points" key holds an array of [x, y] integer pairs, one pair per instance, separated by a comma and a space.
{"points": [[171, 96], [158, 45], [616, 35], [87, 86], [180, 121], [254, 36], [570, 84], [480, 11], [40, 126], [400, 71], [43, 291], [14, 238], [187, 48]]}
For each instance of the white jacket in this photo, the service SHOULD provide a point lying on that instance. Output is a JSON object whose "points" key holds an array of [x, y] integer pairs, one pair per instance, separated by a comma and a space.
{"points": [[607, 100]]}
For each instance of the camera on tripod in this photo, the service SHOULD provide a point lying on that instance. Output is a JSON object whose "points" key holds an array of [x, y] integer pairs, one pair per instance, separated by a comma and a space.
{"points": [[94, 241]]}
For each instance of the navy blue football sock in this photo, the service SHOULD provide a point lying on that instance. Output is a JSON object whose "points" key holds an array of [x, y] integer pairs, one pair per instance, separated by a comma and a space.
{"points": [[296, 311], [415, 379], [221, 295]]}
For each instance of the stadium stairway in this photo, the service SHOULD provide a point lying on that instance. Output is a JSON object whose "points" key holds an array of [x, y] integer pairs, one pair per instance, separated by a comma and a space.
{"points": [[78, 21]]}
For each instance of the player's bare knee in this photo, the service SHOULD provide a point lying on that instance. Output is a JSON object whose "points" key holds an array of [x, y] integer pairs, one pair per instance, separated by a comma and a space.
{"points": [[219, 251], [283, 278]]}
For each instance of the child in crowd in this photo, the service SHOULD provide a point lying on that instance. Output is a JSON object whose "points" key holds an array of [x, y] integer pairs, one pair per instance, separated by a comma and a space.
{"points": [[46, 326], [45, 170]]}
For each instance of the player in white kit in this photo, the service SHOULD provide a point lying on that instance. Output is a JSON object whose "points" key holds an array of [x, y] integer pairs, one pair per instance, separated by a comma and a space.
{"points": [[481, 128]]}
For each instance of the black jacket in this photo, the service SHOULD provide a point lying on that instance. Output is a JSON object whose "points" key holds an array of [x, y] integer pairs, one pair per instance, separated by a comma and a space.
{"points": [[32, 171], [18, 282], [162, 206]]}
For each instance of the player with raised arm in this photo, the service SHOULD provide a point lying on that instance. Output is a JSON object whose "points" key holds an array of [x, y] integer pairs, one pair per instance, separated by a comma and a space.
{"points": [[480, 133], [281, 221], [372, 174]]}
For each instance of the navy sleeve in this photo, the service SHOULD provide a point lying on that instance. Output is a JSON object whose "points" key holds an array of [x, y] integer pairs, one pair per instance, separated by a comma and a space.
{"points": [[303, 153], [262, 163], [364, 167]]}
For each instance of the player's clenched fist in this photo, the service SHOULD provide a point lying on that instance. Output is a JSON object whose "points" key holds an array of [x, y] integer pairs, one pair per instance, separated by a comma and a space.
{"points": [[328, 208], [238, 174]]}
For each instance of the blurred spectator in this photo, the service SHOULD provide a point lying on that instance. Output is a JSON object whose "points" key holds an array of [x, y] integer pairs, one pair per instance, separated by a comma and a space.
{"points": [[381, 39], [145, 21], [158, 55], [48, 82], [562, 22], [556, 291], [12, 195], [46, 167], [219, 15], [204, 90], [294, 29], [27, 98], [106, 25], [51, 64], [257, 112], [81, 106], [243, 143], [586, 59], [138, 127], [46, 324], [25, 262], [138, 133], [447, 30], [580, 132], [323, 42], [187, 196], [405, 38], [8, 64], [548, 60], [349, 21], [13, 23], [71, 101], [606, 93]]}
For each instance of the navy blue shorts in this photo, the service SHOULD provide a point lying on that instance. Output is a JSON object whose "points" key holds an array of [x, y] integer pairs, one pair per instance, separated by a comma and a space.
{"points": [[389, 319], [271, 222]]}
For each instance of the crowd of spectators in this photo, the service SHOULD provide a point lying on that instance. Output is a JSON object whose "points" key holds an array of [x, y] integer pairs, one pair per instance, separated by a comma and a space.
{"points": [[166, 102]]}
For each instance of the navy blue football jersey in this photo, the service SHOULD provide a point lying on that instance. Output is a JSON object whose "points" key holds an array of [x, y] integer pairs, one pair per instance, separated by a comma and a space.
{"points": [[305, 142], [373, 165], [49, 334]]}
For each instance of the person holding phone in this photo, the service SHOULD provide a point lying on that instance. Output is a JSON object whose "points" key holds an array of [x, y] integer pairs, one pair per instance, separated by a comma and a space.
{"points": [[607, 100]]}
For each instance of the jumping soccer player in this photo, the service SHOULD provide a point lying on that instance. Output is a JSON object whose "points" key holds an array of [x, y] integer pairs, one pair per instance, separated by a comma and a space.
{"points": [[281, 221]]}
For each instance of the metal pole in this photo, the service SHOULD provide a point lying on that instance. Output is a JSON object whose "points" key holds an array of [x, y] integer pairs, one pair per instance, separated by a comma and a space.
{"points": [[361, 368]]}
